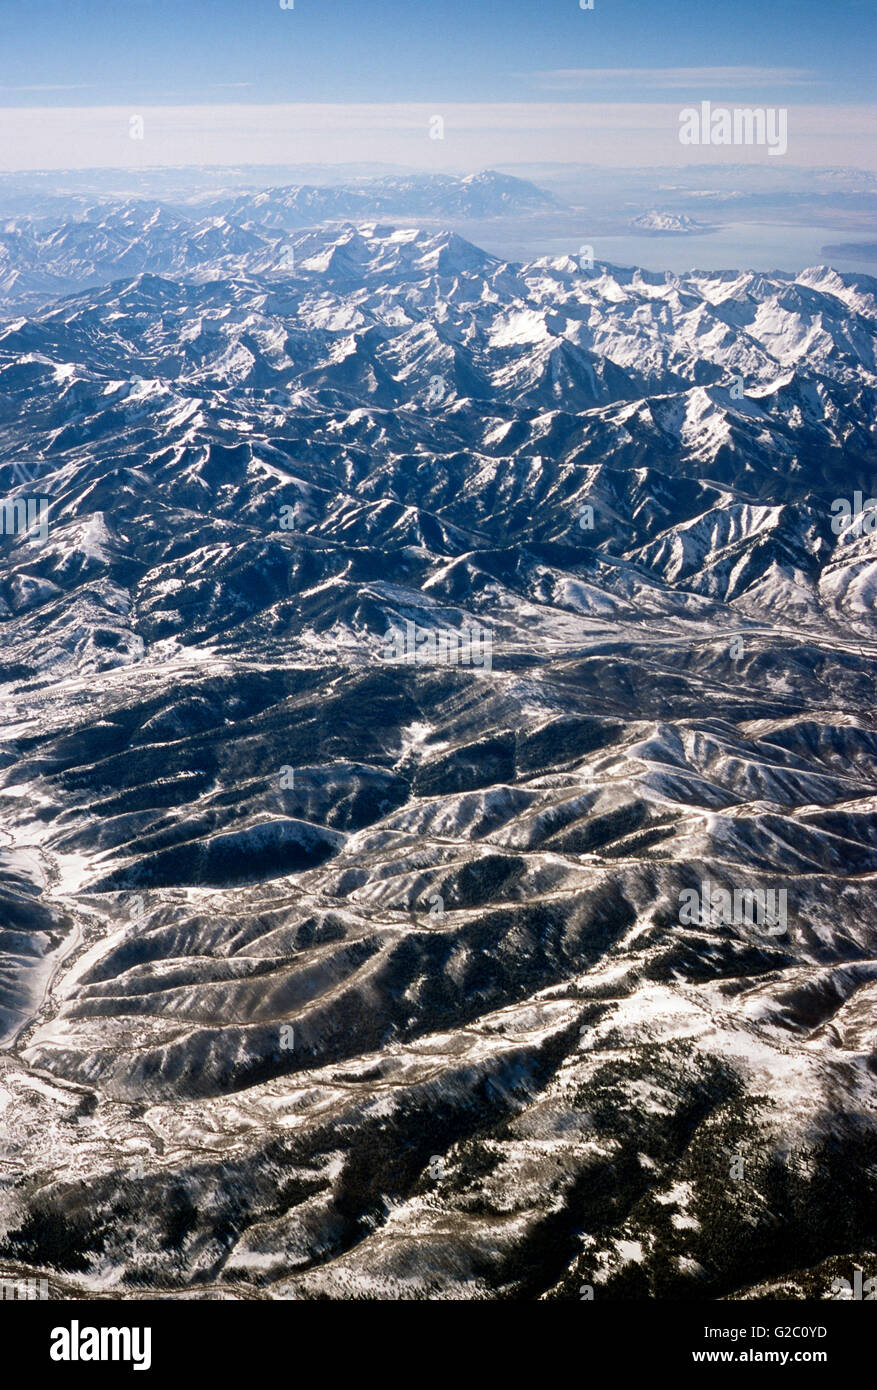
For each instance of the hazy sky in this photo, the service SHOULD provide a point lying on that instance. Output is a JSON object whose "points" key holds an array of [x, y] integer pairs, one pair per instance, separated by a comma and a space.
{"points": [[231, 81]]}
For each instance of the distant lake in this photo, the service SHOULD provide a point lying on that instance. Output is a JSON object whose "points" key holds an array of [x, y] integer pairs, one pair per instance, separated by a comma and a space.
{"points": [[738, 245]]}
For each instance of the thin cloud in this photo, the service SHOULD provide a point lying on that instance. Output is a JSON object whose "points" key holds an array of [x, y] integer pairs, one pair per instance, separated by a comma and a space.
{"points": [[575, 79], [107, 86], [478, 135], [52, 87]]}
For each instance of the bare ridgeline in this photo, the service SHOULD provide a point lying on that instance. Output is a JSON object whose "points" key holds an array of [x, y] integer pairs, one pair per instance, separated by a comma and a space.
{"points": [[439, 767]]}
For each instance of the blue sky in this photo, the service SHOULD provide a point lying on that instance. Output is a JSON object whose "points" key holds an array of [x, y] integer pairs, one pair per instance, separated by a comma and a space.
{"points": [[79, 53]]}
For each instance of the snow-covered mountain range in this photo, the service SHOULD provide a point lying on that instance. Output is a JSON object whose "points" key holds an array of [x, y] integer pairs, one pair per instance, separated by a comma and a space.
{"points": [[331, 975], [46, 252]]}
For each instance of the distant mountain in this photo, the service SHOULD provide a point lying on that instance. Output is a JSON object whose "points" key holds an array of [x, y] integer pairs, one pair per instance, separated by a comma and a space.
{"points": [[487, 194], [668, 224], [865, 249], [228, 234]]}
